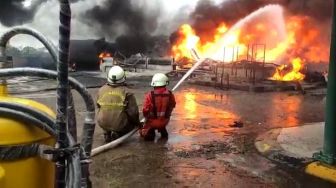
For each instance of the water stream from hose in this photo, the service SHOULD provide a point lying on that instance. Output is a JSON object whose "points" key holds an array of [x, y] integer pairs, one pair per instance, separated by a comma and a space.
{"points": [[187, 74]]}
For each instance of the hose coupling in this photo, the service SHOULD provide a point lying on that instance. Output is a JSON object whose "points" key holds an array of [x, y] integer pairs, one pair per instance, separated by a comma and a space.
{"points": [[62, 153]]}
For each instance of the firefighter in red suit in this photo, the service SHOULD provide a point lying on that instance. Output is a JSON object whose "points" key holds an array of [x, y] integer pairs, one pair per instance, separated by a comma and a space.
{"points": [[157, 108]]}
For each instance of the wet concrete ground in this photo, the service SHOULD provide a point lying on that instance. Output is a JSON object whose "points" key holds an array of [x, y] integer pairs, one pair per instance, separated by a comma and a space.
{"points": [[204, 149]]}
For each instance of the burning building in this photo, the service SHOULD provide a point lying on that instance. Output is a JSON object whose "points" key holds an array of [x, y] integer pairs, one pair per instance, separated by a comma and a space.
{"points": [[85, 53], [294, 33], [289, 29]]}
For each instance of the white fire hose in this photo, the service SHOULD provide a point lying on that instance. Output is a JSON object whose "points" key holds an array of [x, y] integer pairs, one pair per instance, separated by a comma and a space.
{"points": [[120, 140]]}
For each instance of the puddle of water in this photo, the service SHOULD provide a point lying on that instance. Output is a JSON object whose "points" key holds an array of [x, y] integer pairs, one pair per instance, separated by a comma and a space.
{"points": [[285, 110], [205, 114], [194, 120]]}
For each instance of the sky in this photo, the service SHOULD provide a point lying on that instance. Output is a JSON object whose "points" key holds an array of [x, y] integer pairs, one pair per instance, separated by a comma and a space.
{"points": [[46, 19]]}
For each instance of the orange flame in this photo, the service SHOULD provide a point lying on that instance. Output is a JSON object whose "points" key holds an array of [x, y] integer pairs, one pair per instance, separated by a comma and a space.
{"points": [[189, 40], [300, 37], [293, 75], [103, 55]]}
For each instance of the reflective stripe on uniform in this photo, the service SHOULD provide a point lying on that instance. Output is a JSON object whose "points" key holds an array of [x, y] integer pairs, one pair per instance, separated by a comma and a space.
{"points": [[159, 114], [112, 105]]}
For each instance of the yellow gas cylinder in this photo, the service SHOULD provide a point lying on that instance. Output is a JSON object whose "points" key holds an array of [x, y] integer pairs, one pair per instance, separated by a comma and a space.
{"points": [[2, 177], [33, 172]]}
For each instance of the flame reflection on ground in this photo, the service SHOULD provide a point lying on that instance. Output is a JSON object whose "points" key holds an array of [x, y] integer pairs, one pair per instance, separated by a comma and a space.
{"points": [[204, 114]]}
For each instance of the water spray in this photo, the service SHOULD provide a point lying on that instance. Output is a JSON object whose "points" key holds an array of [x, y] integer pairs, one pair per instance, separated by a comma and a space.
{"points": [[120, 140]]}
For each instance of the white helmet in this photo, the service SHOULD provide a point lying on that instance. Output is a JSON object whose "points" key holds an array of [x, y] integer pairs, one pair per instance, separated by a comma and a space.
{"points": [[159, 79], [116, 75]]}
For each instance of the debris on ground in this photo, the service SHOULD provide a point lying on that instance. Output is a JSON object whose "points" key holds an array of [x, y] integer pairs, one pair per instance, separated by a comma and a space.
{"points": [[288, 160], [237, 124], [207, 151]]}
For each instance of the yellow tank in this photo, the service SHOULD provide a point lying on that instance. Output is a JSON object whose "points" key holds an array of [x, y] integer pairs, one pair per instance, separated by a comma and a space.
{"points": [[2, 177], [31, 172]]}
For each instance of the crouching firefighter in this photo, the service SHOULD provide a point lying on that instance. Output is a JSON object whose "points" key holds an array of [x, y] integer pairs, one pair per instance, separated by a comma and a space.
{"points": [[118, 111], [157, 108]]}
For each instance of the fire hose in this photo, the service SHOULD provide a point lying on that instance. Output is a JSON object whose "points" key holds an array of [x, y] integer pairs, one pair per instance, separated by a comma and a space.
{"points": [[52, 51], [46, 123], [64, 139], [23, 30], [62, 89], [88, 128], [34, 117], [122, 139]]}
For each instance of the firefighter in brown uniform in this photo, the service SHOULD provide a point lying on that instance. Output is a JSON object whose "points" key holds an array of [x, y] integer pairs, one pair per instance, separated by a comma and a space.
{"points": [[118, 111]]}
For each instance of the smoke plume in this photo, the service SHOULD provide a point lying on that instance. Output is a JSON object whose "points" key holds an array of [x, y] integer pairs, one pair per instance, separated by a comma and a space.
{"points": [[14, 12], [307, 22], [115, 17], [207, 14], [131, 25], [136, 25]]}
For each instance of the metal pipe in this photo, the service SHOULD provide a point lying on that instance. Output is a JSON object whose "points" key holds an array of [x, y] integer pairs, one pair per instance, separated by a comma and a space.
{"points": [[222, 75], [247, 60], [237, 61], [23, 30], [252, 56], [216, 74], [237, 55], [256, 52], [248, 50], [223, 61], [263, 72], [224, 54], [233, 55], [328, 155]]}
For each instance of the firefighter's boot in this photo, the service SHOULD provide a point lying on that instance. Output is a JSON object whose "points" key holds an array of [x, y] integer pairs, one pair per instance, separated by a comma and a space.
{"points": [[108, 136], [164, 133]]}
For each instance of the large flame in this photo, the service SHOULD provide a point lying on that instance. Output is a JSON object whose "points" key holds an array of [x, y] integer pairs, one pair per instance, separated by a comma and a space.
{"points": [[189, 40], [285, 39], [293, 74]]}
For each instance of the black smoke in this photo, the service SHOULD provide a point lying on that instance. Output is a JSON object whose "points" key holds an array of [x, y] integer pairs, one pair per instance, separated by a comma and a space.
{"points": [[116, 14], [316, 9], [209, 15], [13, 12], [130, 26]]}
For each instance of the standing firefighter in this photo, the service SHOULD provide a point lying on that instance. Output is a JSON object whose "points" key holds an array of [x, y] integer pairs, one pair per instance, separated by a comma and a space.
{"points": [[118, 111], [157, 108]]}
